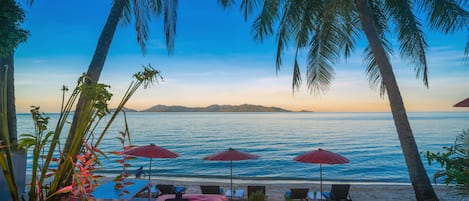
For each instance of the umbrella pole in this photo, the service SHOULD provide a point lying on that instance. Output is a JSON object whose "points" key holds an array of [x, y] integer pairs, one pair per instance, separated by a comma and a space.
{"points": [[320, 176], [149, 173], [231, 178]]}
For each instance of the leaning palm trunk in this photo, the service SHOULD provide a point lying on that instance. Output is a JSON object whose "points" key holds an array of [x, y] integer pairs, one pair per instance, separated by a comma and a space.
{"points": [[82, 108], [99, 57], [418, 176]]}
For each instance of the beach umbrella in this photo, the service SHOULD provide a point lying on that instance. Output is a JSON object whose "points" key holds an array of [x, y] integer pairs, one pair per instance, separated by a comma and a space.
{"points": [[231, 155], [463, 103], [151, 151], [321, 156]]}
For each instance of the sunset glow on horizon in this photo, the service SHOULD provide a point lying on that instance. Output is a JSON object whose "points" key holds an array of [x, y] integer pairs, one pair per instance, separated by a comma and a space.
{"points": [[215, 61]]}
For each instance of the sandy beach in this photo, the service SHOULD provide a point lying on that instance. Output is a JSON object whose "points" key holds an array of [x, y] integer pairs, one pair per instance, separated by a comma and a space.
{"points": [[276, 188]]}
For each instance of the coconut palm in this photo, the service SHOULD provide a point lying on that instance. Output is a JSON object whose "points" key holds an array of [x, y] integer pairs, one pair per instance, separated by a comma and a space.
{"points": [[11, 35], [328, 29], [122, 11]]}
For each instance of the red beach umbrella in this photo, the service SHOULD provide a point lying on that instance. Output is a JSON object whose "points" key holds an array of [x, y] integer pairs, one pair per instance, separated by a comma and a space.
{"points": [[321, 156], [463, 103], [231, 155], [151, 151]]}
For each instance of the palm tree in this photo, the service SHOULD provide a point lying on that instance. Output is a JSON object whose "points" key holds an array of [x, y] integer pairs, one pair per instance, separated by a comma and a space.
{"points": [[11, 35], [122, 11], [328, 29]]}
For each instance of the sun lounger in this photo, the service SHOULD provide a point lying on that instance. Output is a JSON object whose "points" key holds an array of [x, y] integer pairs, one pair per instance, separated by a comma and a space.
{"points": [[211, 190], [163, 189], [297, 194], [339, 192], [254, 189], [107, 191], [195, 197]]}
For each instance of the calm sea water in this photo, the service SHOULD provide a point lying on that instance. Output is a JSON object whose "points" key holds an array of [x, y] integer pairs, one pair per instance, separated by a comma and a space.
{"points": [[368, 140]]}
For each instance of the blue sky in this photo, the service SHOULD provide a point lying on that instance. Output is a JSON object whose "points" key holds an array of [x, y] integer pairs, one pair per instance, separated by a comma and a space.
{"points": [[215, 61]]}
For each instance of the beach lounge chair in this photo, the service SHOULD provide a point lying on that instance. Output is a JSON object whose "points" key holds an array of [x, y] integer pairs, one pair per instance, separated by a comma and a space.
{"points": [[297, 194], [163, 189], [339, 192], [211, 190], [254, 189], [107, 190]]}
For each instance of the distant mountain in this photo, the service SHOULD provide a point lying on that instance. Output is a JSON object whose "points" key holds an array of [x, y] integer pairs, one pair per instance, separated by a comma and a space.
{"points": [[215, 108], [124, 109]]}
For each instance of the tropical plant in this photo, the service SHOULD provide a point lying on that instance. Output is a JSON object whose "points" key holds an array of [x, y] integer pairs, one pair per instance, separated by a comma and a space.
{"points": [[38, 141], [328, 29], [455, 161], [75, 164], [96, 98]]}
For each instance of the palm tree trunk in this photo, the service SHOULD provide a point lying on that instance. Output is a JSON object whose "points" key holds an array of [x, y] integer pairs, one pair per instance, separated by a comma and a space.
{"points": [[418, 176], [11, 108], [94, 72], [99, 57]]}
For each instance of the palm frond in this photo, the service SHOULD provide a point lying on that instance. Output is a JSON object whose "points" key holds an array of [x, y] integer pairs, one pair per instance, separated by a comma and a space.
{"points": [[170, 17], [466, 51], [156, 6], [350, 24], [328, 41], [142, 16], [287, 25], [410, 36], [126, 17], [446, 15], [296, 74], [374, 75], [262, 26], [379, 20], [323, 53], [306, 23], [226, 3], [248, 6]]}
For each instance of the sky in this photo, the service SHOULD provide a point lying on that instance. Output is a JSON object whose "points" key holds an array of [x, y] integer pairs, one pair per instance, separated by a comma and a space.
{"points": [[215, 61]]}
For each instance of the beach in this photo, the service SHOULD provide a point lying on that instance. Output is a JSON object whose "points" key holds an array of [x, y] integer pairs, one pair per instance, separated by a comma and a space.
{"points": [[276, 188]]}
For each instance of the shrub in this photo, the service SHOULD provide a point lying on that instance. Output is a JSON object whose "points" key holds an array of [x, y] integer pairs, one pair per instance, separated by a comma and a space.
{"points": [[455, 160]]}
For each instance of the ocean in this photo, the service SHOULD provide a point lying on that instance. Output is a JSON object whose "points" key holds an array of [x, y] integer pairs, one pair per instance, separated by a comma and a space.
{"points": [[368, 140]]}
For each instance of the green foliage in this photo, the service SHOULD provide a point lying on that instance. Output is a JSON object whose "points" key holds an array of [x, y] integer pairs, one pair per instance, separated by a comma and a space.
{"points": [[38, 141], [455, 161], [11, 35], [328, 30], [258, 196], [72, 178]]}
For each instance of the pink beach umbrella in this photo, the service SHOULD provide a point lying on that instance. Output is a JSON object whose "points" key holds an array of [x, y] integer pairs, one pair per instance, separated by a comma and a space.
{"points": [[151, 151], [463, 103], [321, 156], [231, 155]]}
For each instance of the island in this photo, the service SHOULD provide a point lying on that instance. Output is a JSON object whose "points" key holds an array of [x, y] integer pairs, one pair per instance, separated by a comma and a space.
{"points": [[216, 108]]}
